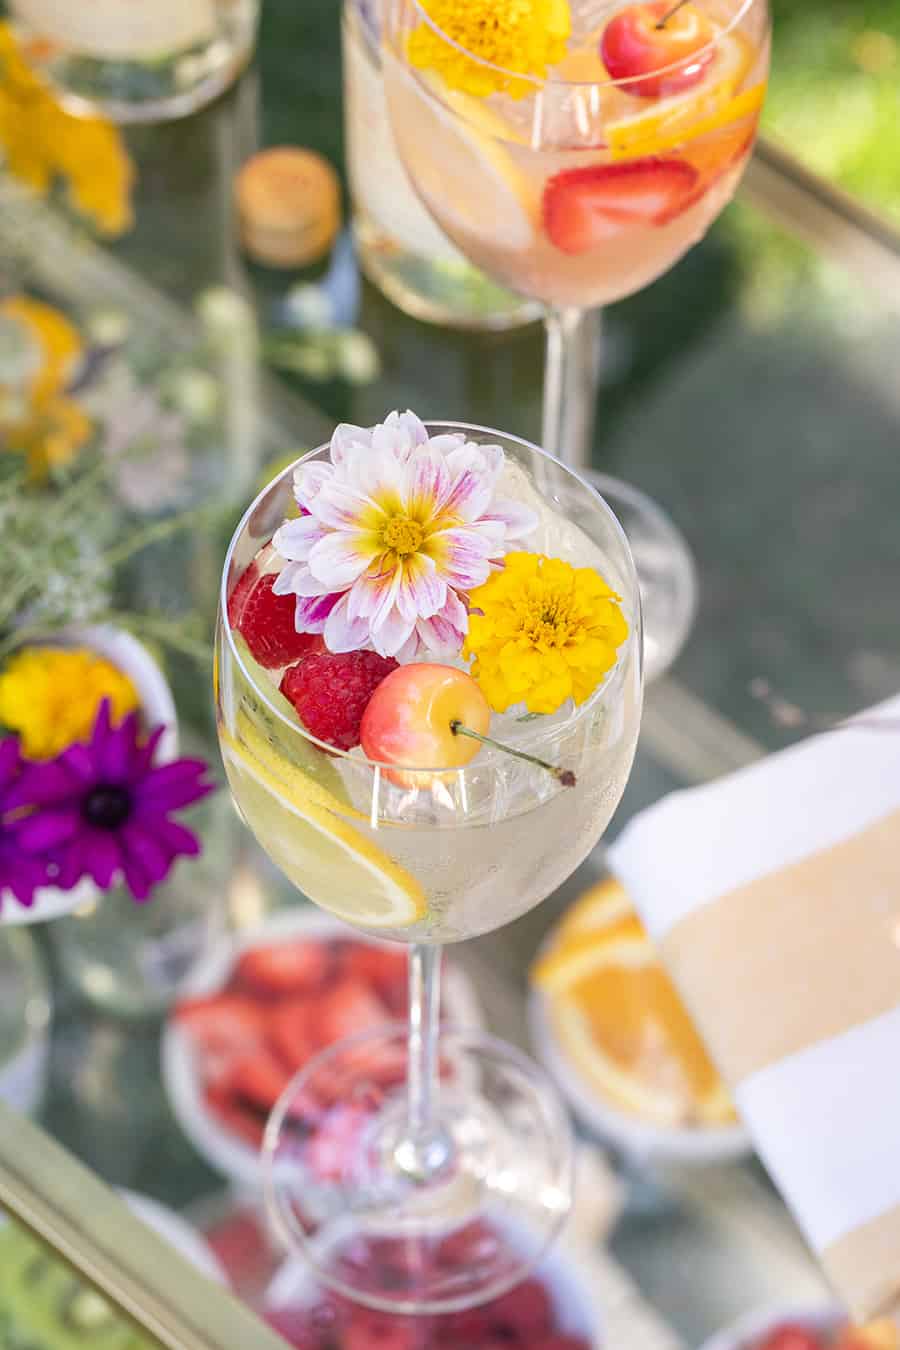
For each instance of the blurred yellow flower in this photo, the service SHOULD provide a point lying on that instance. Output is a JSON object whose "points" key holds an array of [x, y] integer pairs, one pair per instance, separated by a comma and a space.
{"points": [[59, 342], [41, 142], [51, 428], [542, 631], [50, 696], [522, 36]]}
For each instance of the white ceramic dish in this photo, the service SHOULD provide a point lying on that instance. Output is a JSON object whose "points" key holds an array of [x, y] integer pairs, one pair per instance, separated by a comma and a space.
{"points": [[641, 1141], [746, 1331], [218, 1146], [132, 657], [565, 1270]]}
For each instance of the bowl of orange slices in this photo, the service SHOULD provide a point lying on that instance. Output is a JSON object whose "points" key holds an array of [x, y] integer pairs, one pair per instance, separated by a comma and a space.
{"points": [[609, 1025]]}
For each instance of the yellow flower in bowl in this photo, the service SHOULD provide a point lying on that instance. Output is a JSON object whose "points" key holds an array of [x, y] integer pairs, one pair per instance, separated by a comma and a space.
{"points": [[49, 428], [50, 696], [542, 631]]}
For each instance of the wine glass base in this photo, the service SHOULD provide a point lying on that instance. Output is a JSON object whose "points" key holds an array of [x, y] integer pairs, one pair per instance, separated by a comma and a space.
{"points": [[437, 1223]]}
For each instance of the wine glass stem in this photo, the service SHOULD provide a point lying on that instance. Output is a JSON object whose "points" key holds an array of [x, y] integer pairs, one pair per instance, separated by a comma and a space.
{"points": [[425, 1151], [570, 383]]}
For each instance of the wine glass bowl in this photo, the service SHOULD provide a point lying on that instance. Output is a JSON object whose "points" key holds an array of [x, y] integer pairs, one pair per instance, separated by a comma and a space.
{"points": [[575, 188], [435, 855]]}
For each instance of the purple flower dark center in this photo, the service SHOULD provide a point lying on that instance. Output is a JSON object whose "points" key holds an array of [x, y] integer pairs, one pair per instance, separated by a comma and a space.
{"points": [[107, 806]]}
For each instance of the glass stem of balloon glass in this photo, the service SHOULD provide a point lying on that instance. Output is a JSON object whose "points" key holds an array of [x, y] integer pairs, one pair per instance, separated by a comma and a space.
{"points": [[570, 383], [425, 1148]]}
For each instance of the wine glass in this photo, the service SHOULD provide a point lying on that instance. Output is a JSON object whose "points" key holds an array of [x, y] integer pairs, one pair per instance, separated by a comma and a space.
{"points": [[580, 180], [570, 186], [421, 1171]]}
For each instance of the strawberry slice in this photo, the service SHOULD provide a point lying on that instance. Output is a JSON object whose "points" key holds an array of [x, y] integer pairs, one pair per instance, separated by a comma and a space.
{"points": [[248, 1123], [584, 207], [525, 1313], [792, 1336], [266, 622], [383, 969], [295, 967], [368, 1330], [256, 1081], [347, 1008], [291, 1029], [222, 1024]]}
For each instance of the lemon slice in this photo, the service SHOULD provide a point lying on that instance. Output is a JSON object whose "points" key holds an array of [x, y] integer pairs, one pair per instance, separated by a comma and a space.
{"points": [[612, 1082], [583, 957], [670, 121], [457, 159], [295, 820]]}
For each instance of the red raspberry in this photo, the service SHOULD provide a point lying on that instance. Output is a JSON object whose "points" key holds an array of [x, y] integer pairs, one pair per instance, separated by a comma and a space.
{"points": [[330, 691], [266, 622]]}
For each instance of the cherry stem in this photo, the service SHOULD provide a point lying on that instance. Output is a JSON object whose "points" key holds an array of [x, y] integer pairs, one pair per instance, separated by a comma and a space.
{"points": [[564, 776], [671, 14]]}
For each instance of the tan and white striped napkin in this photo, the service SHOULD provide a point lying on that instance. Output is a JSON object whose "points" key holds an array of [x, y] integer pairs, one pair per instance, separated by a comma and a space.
{"points": [[774, 897]]}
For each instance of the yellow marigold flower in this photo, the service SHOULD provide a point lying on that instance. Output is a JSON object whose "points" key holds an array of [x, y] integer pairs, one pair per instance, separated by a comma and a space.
{"points": [[523, 36], [41, 142], [50, 696], [60, 344], [53, 428], [542, 631], [50, 437]]}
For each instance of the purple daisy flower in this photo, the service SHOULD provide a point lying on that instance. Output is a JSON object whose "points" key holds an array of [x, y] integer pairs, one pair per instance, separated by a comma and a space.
{"points": [[20, 873], [103, 809]]}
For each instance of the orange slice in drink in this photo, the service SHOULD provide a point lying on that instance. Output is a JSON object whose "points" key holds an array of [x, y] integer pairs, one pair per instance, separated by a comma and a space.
{"points": [[663, 123], [620, 1021]]}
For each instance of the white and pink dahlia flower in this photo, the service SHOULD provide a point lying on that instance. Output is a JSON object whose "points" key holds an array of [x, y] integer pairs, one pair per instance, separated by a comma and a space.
{"points": [[393, 534]]}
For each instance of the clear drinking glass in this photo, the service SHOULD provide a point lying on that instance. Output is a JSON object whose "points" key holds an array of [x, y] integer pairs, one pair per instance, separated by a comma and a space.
{"points": [[421, 1173], [576, 189], [399, 246], [137, 62]]}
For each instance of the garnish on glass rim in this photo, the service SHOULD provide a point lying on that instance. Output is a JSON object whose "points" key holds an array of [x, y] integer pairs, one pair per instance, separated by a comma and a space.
{"points": [[671, 14], [427, 716], [542, 631], [393, 533], [525, 37]]}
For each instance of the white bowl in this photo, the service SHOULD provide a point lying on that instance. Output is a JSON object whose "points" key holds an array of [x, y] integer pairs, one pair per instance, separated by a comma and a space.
{"points": [[132, 657], [641, 1141], [228, 1154], [565, 1270], [747, 1330]]}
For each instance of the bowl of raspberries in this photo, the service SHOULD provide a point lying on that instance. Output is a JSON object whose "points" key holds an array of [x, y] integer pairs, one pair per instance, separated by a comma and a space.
{"points": [[554, 1309]]}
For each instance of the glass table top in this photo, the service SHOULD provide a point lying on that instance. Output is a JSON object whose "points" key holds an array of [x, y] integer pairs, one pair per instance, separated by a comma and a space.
{"points": [[752, 392]]}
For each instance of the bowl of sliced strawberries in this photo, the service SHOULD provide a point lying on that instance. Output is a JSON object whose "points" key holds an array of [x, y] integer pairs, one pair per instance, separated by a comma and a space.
{"points": [[264, 1002], [824, 1327]]}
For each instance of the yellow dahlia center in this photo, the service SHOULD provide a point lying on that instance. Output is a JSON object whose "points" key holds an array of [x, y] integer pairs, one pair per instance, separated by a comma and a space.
{"points": [[402, 535]]}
